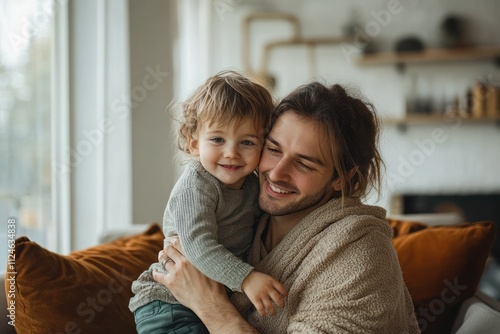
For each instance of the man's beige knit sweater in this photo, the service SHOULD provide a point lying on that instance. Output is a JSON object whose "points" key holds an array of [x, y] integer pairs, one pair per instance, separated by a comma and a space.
{"points": [[341, 273]]}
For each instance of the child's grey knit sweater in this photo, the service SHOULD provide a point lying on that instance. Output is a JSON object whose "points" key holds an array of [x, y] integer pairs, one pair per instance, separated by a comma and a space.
{"points": [[215, 227]]}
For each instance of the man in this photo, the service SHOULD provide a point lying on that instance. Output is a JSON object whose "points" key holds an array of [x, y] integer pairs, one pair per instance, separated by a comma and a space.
{"points": [[333, 254]]}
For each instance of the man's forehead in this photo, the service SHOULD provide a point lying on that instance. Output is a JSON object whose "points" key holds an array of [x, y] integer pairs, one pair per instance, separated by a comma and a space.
{"points": [[290, 119], [301, 136]]}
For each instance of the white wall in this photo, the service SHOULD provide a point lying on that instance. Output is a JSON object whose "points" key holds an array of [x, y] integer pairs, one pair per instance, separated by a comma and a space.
{"points": [[467, 160], [99, 162], [152, 37]]}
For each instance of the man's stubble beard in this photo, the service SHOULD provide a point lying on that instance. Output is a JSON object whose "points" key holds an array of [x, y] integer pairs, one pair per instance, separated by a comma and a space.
{"points": [[274, 209]]}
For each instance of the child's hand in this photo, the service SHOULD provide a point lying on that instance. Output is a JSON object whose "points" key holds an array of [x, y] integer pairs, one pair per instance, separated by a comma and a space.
{"points": [[264, 291]]}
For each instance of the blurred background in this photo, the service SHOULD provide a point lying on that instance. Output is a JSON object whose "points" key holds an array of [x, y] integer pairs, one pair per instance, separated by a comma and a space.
{"points": [[85, 88]]}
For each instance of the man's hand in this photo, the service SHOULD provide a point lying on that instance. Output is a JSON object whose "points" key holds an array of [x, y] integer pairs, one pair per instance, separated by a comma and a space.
{"points": [[205, 297], [188, 285], [264, 292]]}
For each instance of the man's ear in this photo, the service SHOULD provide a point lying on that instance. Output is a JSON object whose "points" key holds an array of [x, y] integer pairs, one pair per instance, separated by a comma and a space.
{"points": [[193, 147], [337, 183]]}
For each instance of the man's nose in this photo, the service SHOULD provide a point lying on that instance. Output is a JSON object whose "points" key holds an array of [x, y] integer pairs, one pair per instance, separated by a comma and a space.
{"points": [[281, 171]]}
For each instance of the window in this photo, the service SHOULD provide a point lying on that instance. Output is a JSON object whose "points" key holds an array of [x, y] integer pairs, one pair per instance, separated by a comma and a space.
{"points": [[26, 51]]}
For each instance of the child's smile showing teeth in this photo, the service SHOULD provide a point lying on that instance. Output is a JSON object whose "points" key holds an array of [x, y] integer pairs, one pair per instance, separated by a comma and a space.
{"points": [[230, 167]]}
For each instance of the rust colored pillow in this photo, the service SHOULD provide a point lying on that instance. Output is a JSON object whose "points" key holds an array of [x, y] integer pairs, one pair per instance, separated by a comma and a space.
{"points": [[85, 292], [442, 267], [402, 227]]}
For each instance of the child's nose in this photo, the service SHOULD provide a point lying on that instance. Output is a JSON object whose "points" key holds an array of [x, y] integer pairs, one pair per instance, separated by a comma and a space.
{"points": [[231, 152]]}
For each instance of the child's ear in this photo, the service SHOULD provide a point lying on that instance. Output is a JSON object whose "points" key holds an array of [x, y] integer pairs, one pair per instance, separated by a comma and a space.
{"points": [[193, 147]]}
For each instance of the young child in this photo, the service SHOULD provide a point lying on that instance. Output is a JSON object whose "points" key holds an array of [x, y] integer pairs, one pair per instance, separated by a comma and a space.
{"points": [[214, 204]]}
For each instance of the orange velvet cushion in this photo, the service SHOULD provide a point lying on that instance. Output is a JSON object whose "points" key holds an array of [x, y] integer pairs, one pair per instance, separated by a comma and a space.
{"points": [[441, 267], [403, 227], [85, 292]]}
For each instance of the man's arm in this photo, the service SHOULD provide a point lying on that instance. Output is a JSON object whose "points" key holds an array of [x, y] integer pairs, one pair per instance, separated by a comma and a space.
{"points": [[205, 297], [222, 317]]}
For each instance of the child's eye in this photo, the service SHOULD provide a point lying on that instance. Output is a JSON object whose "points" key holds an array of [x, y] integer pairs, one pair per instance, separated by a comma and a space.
{"points": [[217, 140], [247, 143]]}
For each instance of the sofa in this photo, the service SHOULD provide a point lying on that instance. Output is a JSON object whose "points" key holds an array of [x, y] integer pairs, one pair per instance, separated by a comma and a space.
{"points": [[87, 291]]}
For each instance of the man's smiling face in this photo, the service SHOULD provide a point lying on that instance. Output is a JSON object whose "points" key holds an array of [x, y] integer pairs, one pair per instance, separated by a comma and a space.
{"points": [[295, 175]]}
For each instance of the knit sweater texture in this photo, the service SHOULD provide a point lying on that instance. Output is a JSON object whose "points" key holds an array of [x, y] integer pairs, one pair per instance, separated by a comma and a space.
{"points": [[215, 227], [341, 273]]}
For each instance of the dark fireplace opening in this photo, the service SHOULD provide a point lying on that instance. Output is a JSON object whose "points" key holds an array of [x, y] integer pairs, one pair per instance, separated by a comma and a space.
{"points": [[472, 208]]}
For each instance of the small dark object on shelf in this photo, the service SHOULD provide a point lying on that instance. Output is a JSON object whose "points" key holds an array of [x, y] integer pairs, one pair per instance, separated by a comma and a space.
{"points": [[409, 44], [452, 32]]}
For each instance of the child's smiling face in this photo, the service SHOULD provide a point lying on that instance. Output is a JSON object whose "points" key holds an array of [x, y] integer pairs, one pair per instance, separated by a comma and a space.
{"points": [[229, 152]]}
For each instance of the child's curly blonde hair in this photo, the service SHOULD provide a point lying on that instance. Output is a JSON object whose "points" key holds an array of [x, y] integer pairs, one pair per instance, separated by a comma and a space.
{"points": [[225, 97]]}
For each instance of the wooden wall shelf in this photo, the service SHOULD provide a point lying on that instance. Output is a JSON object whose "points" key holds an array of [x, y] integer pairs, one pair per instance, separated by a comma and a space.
{"points": [[424, 120], [431, 55]]}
